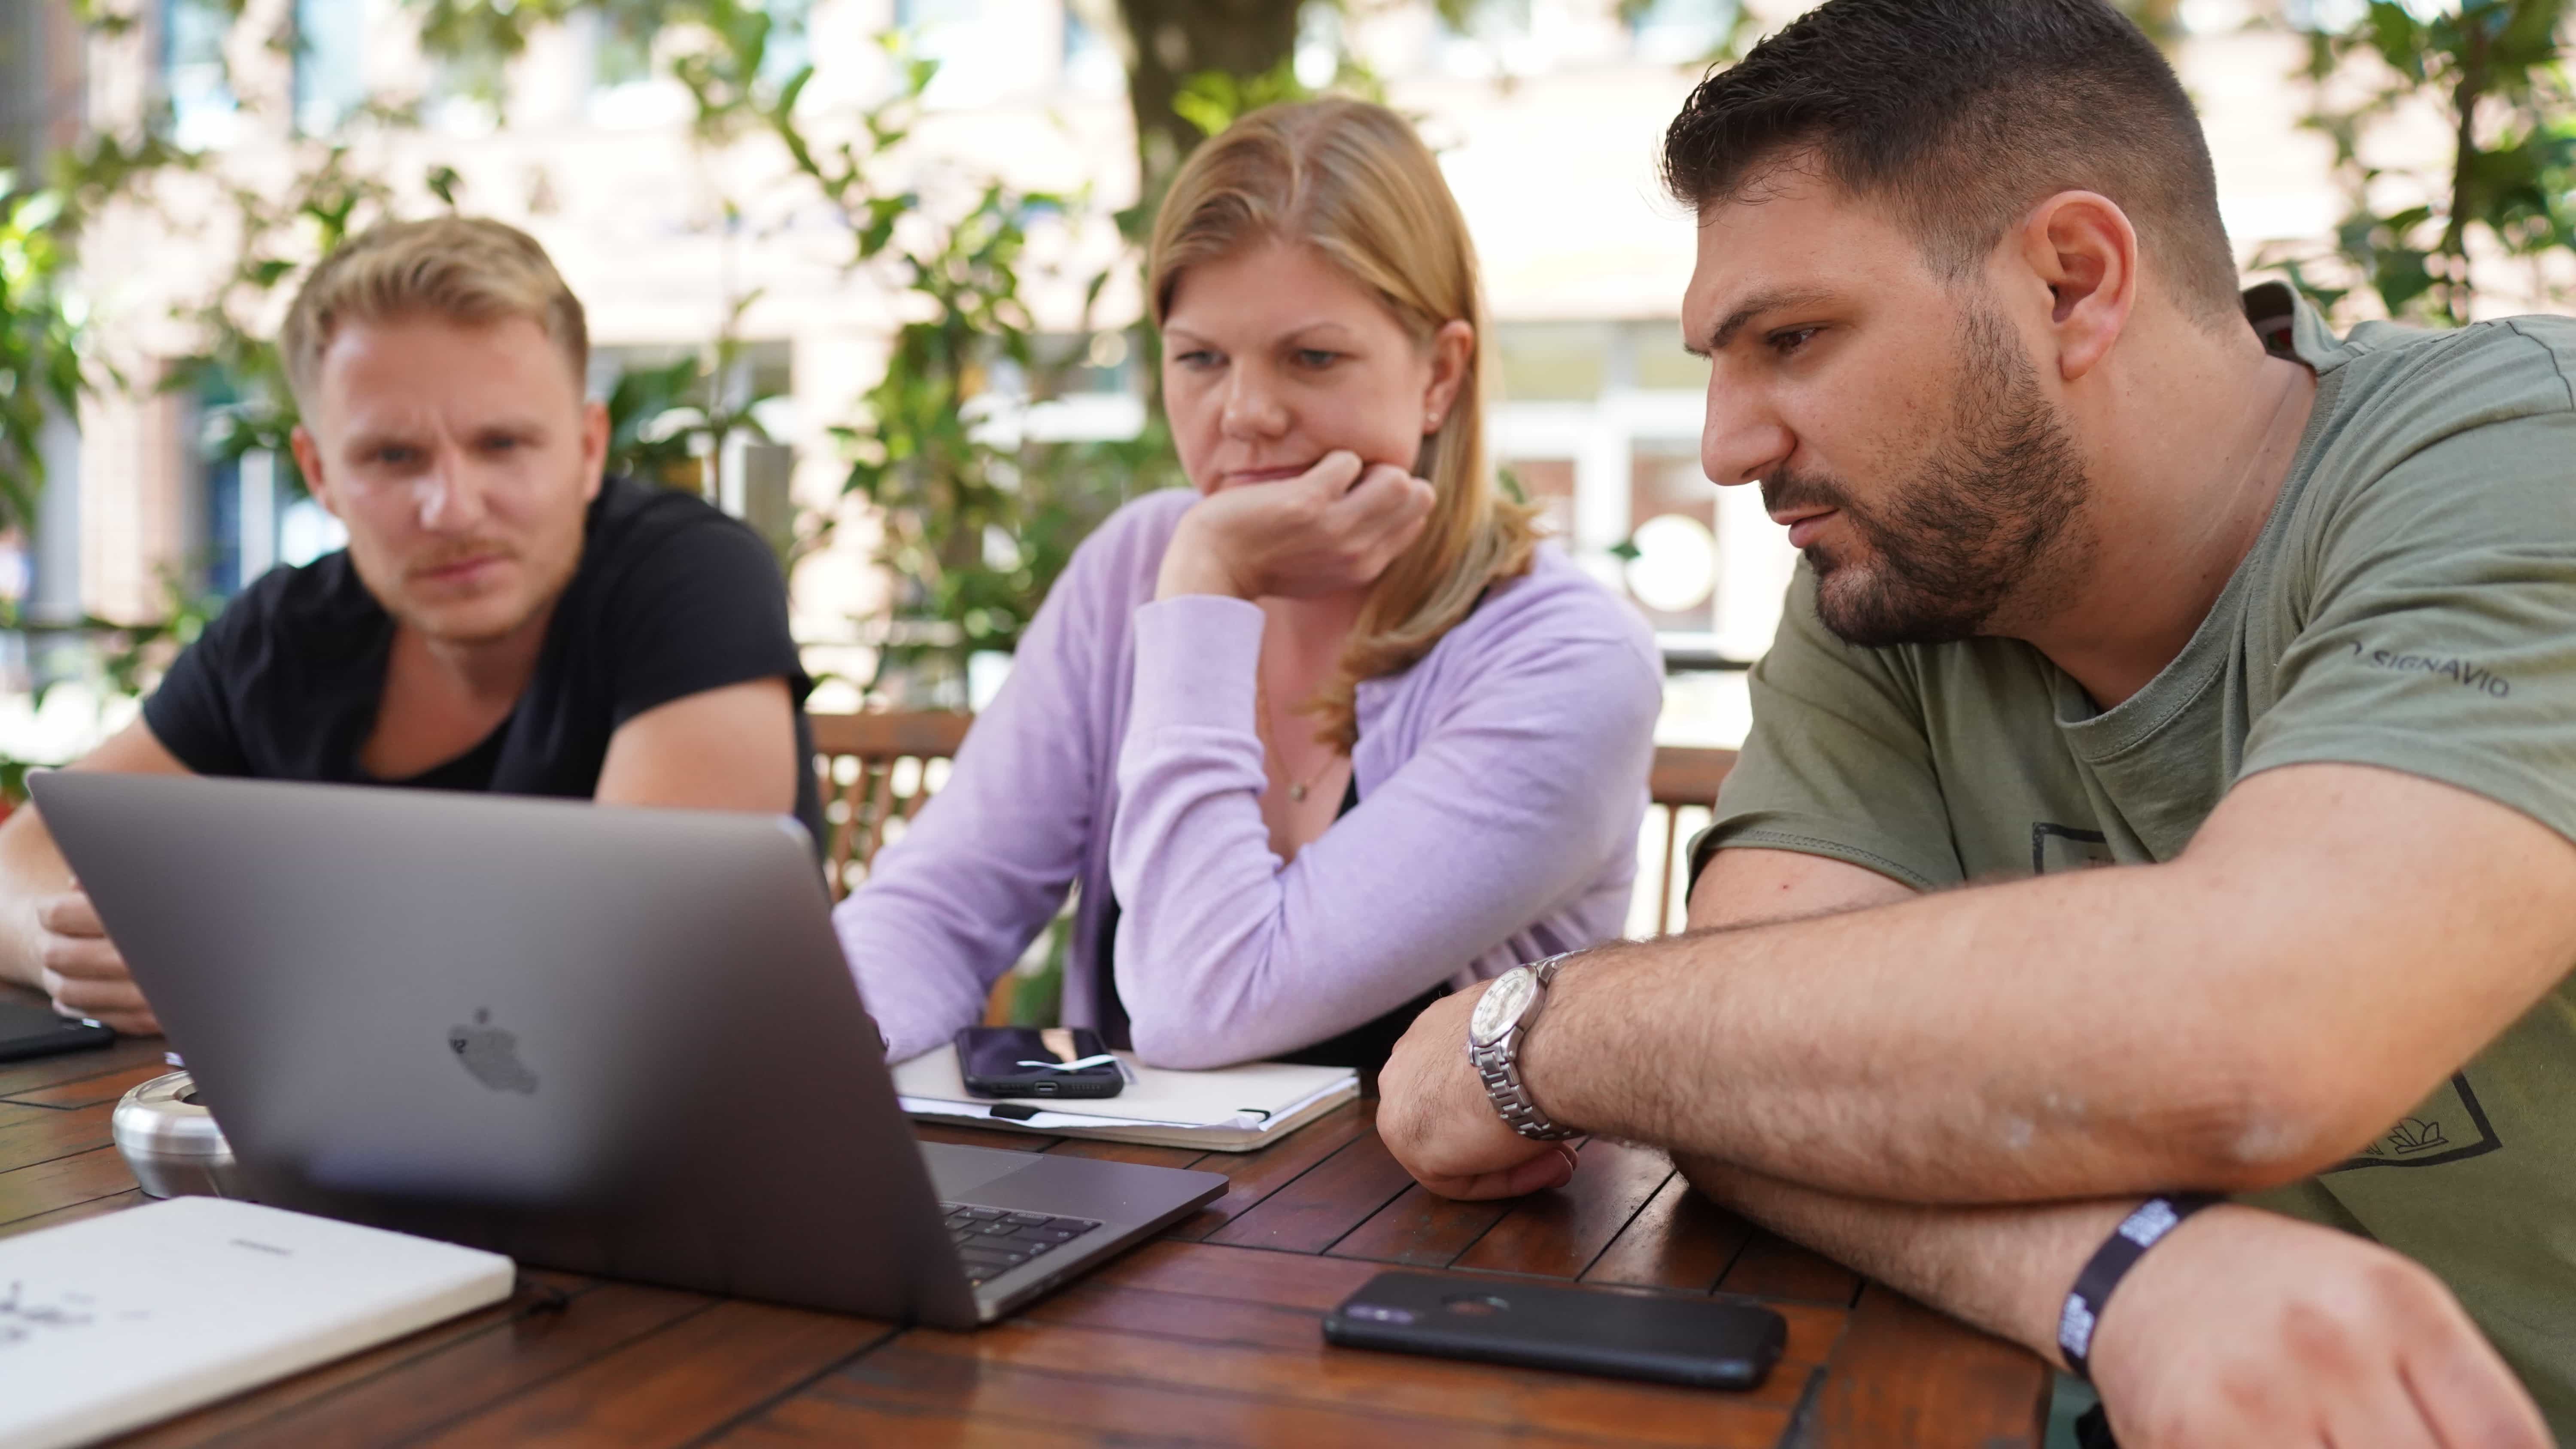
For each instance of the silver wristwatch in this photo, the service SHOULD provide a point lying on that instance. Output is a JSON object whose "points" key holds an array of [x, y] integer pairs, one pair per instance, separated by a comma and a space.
{"points": [[1494, 1036]]}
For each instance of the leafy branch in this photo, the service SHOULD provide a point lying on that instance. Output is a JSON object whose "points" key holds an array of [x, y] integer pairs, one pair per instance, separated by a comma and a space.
{"points": [[2495, 69]]}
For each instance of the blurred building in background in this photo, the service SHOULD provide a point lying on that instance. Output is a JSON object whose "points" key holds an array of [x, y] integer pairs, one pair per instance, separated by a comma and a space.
{"points": [[1546, 115]]}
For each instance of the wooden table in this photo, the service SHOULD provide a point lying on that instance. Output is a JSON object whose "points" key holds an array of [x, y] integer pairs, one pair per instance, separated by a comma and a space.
{"points": [[1207, 1336]]}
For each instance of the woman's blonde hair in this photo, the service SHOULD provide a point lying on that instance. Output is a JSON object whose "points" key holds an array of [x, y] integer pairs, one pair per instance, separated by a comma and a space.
{"points": [[1354, 182]]}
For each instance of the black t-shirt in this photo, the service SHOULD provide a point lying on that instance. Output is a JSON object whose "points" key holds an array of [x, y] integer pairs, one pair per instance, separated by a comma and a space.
{"points": [[671, 598]]}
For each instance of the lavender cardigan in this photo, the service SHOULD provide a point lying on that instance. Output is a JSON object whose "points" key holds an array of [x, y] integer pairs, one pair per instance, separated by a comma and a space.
{"points": [[1502, 780]]}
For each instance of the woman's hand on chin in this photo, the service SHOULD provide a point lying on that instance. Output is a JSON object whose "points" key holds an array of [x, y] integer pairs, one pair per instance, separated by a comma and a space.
{"points": [[1334, 527]]}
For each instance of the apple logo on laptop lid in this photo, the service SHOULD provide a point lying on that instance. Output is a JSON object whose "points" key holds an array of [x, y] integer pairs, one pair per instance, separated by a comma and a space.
{"points": [[491, 1054]]}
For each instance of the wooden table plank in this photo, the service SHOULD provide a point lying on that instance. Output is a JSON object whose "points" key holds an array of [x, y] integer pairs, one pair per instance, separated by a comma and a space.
{"points": [[1679, 1239], [1143, 1154], [91, 1091], [1905, 1374], [903, 1394], [1559, 1233], [1252, 1177], [1213, 1271], [1316, 1375], [679, 1384], [1254, 1302], [993, 1137], [345, 1401], [809, 1420], [29, 1135], [1772, 1267], [62, 1182], [428, 1381], [56, 1218], [1315, 1209], [36, 1073], [1209, 1318], [1421, 1229]]}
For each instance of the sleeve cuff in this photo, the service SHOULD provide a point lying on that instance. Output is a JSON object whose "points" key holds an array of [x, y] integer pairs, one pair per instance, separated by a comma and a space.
{"points": [[1197, 663]]}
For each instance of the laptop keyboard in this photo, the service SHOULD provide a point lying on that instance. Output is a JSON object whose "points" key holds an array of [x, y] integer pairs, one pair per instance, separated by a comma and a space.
{"points": [[994, 1241]]}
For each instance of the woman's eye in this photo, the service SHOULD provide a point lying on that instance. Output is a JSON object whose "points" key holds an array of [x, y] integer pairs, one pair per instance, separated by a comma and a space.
{"points": [[1791, 340], [1314, 357], [1196, 358]]}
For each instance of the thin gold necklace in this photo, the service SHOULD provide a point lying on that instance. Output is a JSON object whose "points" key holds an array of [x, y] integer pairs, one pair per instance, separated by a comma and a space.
{"points": [[1298, 790]]}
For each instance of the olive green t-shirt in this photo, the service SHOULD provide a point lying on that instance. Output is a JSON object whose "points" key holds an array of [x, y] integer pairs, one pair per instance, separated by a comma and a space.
{"points": [[2411, 604]]}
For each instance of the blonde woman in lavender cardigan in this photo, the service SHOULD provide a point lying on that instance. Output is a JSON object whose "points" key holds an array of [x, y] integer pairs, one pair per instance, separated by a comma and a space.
{"points": [[1331, 731]]}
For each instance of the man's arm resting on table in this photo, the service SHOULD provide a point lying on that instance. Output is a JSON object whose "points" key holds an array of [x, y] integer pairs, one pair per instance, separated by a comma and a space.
{"points": [[732, 748], [50, 938], [2242, 1016], [2239, 1327]]}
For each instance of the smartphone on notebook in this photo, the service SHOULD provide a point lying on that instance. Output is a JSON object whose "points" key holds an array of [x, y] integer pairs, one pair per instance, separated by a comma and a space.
{"points": [[1699, 1342], [1028, 1061], [32, 1028]]}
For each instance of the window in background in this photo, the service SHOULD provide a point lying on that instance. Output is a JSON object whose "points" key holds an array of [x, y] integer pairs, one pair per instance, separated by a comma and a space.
{"points": [[624, 94], [1662, 365], [1322, 43], [982, 55], [1549, 483], [750, 480], [1087, 388], [1678, 32], [791, 41], [1555, 361], [2331, 16], [1672, 541], [1492, 39], [463, 97], [1091, 63], [330, 63], [202, 111]]}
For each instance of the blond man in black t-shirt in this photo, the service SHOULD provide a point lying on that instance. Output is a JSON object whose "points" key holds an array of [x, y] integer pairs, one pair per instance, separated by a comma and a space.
{"points": [[503, 618]]}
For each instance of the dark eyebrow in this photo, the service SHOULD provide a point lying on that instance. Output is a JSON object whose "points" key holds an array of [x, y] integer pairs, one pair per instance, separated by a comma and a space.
{"points": [[1758, 304]]}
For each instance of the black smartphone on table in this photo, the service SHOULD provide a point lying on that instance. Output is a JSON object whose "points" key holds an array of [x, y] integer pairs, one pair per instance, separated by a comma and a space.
{"points": [[1029, 1061], [32, 1028], [1698, 1342]]}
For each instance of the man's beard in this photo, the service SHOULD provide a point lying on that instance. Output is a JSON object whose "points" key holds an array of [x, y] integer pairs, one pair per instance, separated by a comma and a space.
{"points": [[1984, 524]]}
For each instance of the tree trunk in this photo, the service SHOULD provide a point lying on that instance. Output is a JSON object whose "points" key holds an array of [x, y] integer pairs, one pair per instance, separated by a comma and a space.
{"points": [[1169, 41]]}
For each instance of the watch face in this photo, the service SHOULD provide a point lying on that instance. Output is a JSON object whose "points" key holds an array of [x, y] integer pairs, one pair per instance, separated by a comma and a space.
{"points": [[1501, 1005]]}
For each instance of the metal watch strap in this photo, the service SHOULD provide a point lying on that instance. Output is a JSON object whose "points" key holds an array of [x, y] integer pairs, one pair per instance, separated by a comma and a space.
{"points": [[1499, 1067]]}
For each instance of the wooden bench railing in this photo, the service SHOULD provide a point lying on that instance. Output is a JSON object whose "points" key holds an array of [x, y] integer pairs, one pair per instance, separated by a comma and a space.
{"points": [[875, 769], [1685, 777]]}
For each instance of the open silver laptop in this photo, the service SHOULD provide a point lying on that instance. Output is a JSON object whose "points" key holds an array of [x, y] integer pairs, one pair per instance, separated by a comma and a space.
{"points": [[611, 1040]]}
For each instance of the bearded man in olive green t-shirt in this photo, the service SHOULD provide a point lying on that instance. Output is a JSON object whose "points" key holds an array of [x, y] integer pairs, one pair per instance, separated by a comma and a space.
{"points": [[2105, 566]]}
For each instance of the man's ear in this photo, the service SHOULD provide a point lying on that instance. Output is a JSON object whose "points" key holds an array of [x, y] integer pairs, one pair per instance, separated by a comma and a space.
{"points": [[2080, 245], [1453, 363], [594, 446], [308, 461]]}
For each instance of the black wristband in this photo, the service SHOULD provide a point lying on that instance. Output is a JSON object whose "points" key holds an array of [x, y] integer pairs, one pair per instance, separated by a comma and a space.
{"points": [[2110, 1263]]}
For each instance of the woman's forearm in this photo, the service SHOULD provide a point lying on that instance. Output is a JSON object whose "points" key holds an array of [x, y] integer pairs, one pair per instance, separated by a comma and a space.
{"points": [[1508, 810]]}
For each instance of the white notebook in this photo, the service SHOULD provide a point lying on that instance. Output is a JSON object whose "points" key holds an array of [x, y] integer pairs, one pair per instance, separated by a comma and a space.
{"points": [[1230, 1109], [117, 1321]]}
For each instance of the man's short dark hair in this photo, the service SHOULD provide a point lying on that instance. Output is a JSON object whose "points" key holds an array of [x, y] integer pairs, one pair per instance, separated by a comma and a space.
{"points": [[1964, 114]]}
